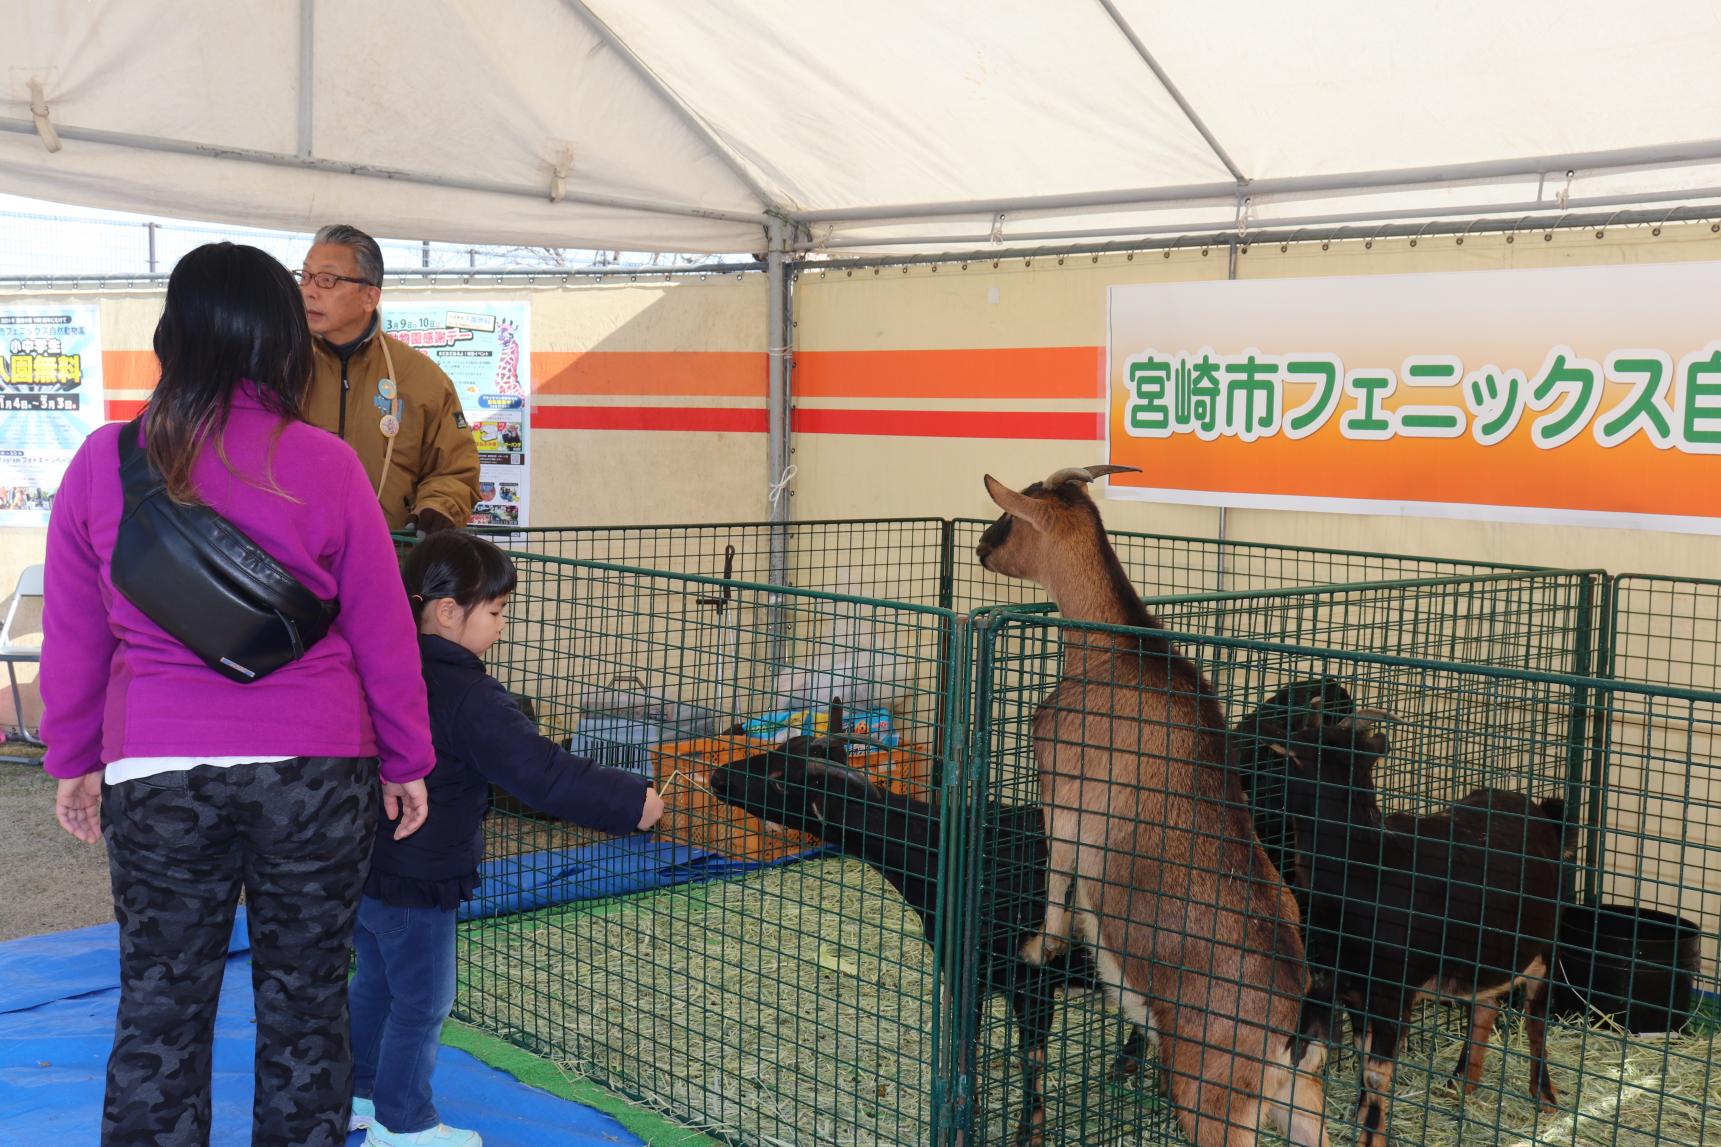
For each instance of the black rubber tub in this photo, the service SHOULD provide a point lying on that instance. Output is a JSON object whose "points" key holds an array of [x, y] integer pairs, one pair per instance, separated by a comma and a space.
{"points": [[1635, 965]]}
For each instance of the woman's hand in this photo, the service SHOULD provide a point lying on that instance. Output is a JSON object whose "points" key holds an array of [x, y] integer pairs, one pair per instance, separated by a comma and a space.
{"points": [[78, 806], [652, 810], [407, 802]]}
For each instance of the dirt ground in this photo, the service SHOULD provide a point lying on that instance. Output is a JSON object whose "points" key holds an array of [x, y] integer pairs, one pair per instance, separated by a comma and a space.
{"points": [[53, 881]]}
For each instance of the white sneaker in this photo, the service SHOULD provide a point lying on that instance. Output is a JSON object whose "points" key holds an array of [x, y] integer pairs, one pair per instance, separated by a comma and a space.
{"points": [[442, 1135], [363, 1114]]}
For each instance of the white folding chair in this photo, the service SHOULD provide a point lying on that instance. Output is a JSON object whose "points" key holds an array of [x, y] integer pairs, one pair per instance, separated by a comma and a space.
{"points": [[13, 651]]}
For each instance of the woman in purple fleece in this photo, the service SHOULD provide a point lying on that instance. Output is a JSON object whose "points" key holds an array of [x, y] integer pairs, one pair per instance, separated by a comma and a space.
{"points": [[203, 787]]}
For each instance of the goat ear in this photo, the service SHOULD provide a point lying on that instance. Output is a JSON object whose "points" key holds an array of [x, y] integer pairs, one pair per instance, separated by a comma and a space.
{"points": [[1018, 506]]}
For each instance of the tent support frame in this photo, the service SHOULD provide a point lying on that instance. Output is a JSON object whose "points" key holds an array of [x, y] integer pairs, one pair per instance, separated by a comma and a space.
{"points": [[1292, 187], [276, 159]]}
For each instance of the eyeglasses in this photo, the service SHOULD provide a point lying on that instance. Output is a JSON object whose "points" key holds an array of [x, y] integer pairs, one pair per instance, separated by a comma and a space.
{"points": [[327, 279]]}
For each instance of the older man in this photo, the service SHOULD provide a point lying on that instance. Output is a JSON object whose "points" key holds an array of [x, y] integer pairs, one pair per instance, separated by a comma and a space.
{"points": [[391, 403]]}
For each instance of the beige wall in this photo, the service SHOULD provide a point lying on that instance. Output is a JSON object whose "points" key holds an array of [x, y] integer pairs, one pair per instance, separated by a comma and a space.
{"points": [[691, 354], [646, 349], [1052, 305]]}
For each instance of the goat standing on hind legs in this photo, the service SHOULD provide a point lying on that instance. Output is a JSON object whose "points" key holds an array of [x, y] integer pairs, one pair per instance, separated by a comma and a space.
{"points": [[1151, 843]]}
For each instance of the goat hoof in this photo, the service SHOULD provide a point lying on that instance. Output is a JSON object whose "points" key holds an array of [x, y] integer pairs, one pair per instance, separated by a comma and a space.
{"points": [[1042, 949]]}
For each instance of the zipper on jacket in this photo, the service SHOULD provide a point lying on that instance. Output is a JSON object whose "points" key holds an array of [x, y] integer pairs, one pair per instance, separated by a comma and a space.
{"points": [[346, 385]]}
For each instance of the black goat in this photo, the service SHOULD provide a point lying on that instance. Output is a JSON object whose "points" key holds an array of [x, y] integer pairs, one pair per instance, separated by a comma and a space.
{"points": [[1322, 700], [806, 785], [1460, 903]]}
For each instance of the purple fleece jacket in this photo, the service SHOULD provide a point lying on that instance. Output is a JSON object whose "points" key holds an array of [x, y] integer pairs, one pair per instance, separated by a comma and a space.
{"points": [[115, 685]]}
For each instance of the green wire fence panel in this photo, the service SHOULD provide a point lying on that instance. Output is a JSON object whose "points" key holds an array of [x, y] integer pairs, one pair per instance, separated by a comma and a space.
{"points": [[1605, 897], [895, 559], [930, 561], [1169, 564], [821, 943], [1544, 621], [700, 970], [1666, 631], [1663, 631]]}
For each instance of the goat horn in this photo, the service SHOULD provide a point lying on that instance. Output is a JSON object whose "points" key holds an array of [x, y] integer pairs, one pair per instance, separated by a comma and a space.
{"points": [[1362, 722], [1087, 473]]}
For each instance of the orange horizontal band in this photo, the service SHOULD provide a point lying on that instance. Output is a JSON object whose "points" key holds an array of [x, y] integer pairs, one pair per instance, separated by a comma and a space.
{"points": [[689, 372], [1011, 372]]}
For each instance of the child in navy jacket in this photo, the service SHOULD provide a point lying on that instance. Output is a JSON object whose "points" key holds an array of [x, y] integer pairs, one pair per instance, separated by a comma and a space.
{"points": [[403, 989]]}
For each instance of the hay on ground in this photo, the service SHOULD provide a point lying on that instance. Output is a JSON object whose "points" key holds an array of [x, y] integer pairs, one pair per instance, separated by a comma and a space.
{"points": [[796, 1005]]}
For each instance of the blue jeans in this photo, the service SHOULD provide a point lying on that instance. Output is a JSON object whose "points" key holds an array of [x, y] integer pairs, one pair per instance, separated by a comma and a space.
{"points": [[401, 993]]}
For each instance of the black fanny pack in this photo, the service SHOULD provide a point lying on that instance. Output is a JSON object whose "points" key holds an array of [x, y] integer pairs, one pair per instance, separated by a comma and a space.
{"points": [[196, 575]]}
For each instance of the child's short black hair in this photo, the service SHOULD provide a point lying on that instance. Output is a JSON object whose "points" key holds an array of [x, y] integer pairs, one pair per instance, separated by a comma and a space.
{"points": [[458, 565]]}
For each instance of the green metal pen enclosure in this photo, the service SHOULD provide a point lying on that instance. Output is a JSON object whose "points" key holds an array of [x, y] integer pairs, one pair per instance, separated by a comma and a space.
{"points": [[770, 989]]}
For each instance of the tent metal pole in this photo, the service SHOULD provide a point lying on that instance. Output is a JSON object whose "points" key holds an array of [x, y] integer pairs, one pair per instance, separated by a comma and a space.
{"points": [[777, 447], [1219, 559], [1219, 237], [675, 104], [462, 278], [1171, 89], [1409, 178], [307, 72], [777, 377], [1518, 209], [419, 179]]}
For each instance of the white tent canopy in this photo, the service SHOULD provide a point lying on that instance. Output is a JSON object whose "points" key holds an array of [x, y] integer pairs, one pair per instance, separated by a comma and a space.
{"points": [[690, 125]]}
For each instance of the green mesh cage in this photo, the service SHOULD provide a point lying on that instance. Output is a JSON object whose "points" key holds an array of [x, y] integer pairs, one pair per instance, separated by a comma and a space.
{"points": [[779, 992], [930, 561], [1641, 953]]}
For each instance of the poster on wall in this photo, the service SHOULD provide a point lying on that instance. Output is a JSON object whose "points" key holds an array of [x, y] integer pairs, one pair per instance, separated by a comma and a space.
{"points": [[1582, 396], [50, 399], [485, 349]]}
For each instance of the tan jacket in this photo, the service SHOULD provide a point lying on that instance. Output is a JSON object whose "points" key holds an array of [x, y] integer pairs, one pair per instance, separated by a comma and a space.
{"points": [[435, 460]]}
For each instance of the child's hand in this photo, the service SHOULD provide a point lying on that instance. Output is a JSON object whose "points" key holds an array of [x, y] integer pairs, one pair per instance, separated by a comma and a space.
{"points": [[409, 803], [653, 809]]}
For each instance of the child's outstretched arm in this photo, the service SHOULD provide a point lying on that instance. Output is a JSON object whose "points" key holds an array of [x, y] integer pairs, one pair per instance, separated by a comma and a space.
{"points": [[509, 751]]}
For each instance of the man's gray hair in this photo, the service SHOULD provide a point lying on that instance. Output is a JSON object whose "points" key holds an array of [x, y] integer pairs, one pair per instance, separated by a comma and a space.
{"points": [[365, 250]]}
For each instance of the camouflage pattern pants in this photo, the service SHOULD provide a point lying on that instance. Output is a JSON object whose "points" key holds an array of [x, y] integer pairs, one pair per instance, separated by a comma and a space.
{"points": [[296, 836]]}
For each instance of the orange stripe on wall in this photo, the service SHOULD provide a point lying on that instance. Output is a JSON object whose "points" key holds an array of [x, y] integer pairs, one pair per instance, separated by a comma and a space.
{"points": [[1003, 424], [1016, 424], [688, 372], [702, 418], [130, 369], [1012, 372]]}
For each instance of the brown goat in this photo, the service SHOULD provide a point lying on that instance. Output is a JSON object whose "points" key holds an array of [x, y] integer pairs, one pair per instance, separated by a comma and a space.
{"points": [[1152, 851]]}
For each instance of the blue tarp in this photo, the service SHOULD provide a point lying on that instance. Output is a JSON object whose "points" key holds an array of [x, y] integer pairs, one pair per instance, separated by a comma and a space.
{"points": [[57, 998], [58, 993], [616, 867]]}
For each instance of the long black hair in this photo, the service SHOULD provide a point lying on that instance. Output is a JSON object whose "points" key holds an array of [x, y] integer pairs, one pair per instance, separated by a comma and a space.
{"points": [[458, 565], [232, 312]]}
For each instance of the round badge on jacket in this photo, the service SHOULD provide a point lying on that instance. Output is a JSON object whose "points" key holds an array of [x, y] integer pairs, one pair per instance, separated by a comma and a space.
{"points": [[390, 426], [387, 389]]}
